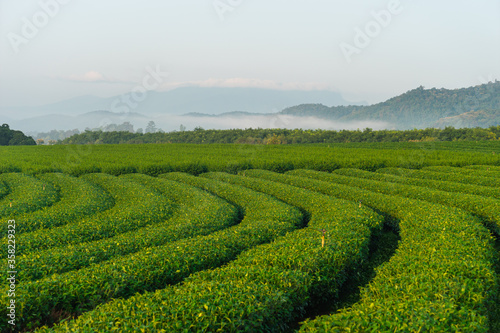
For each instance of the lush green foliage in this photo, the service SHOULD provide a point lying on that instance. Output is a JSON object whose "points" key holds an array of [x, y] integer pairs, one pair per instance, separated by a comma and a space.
{"points": [[155, 267], [463, 171], [135, 206], [425, 174], [4, 189], [185, 222], [196, 159], [484, 167], [250, 252], [9, 137], [26, 194], [79, 198], [485, 191], [420, 108], [341, 220], [285, 136], [486, 208], [444, 263], [487, 147], [265, 287]]}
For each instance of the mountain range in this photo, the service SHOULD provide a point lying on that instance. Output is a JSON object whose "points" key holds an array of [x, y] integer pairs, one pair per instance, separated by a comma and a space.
{"points": [[213, 100], [477, 106], [224, 108]]}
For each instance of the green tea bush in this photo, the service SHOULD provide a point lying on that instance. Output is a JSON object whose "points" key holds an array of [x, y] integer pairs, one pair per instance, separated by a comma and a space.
{"points": [[464, 171], [450, 177], [265, 288], [26, 194], [185, 222], [155, 170], [135, 206], [485, 191], [492, 168], [156, 267], [79, 198], [119, 170], [440, 279], [486, 208], [82, 170]]}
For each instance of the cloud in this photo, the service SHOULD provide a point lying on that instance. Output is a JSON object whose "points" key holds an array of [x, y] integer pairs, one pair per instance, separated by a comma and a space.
{"points": [[92, 77], [97, 77], [248, 83]]}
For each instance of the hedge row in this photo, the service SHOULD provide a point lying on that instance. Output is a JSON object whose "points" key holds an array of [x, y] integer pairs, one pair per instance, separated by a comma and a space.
{"points": [[345, 224], [439, 280], [155, 267], [265, 288], [492, 168], [464, 171], [135, 206], [450, 177], [185, 222], [79, 198], [484, 191], [486, 208], [26, 194]]}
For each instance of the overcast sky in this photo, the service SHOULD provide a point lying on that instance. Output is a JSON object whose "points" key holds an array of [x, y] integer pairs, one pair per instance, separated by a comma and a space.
{"points": [[52, 50]]}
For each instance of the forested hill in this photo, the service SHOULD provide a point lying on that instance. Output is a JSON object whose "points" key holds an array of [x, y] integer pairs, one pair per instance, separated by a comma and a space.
{"points": [[420, 108]]}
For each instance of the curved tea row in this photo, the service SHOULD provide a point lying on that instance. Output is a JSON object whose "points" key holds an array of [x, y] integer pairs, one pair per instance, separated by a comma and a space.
{"points": [[444, 263], [24, 194], [485, 191], [245, 253], [451, 177], [264, 289], [486, 208], [194, 213], [78, 199], [155, 267]]}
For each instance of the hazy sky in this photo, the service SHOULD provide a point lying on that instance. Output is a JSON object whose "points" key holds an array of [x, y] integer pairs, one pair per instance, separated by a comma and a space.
{"points": [[52, 50]]}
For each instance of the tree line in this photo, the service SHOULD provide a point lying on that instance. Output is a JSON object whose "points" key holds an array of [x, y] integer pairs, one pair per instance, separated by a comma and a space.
{"points": [[285, 136]]}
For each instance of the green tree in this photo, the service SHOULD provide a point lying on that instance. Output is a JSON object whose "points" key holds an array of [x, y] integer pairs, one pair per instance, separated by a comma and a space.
{"points": [[10, 137]]}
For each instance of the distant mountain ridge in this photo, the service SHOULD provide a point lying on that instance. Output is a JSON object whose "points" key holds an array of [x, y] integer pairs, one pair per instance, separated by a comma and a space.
{"points": [[224, 108], [211, 100], [419, 108], [91, 120]]}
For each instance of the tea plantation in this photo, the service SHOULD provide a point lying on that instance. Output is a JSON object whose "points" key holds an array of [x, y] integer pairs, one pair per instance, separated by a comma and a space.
{"points": [[242, 238]]}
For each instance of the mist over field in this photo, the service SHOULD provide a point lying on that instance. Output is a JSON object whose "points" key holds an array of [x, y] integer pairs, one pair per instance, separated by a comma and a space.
{"points": [[263, 121], [169, 123]]}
